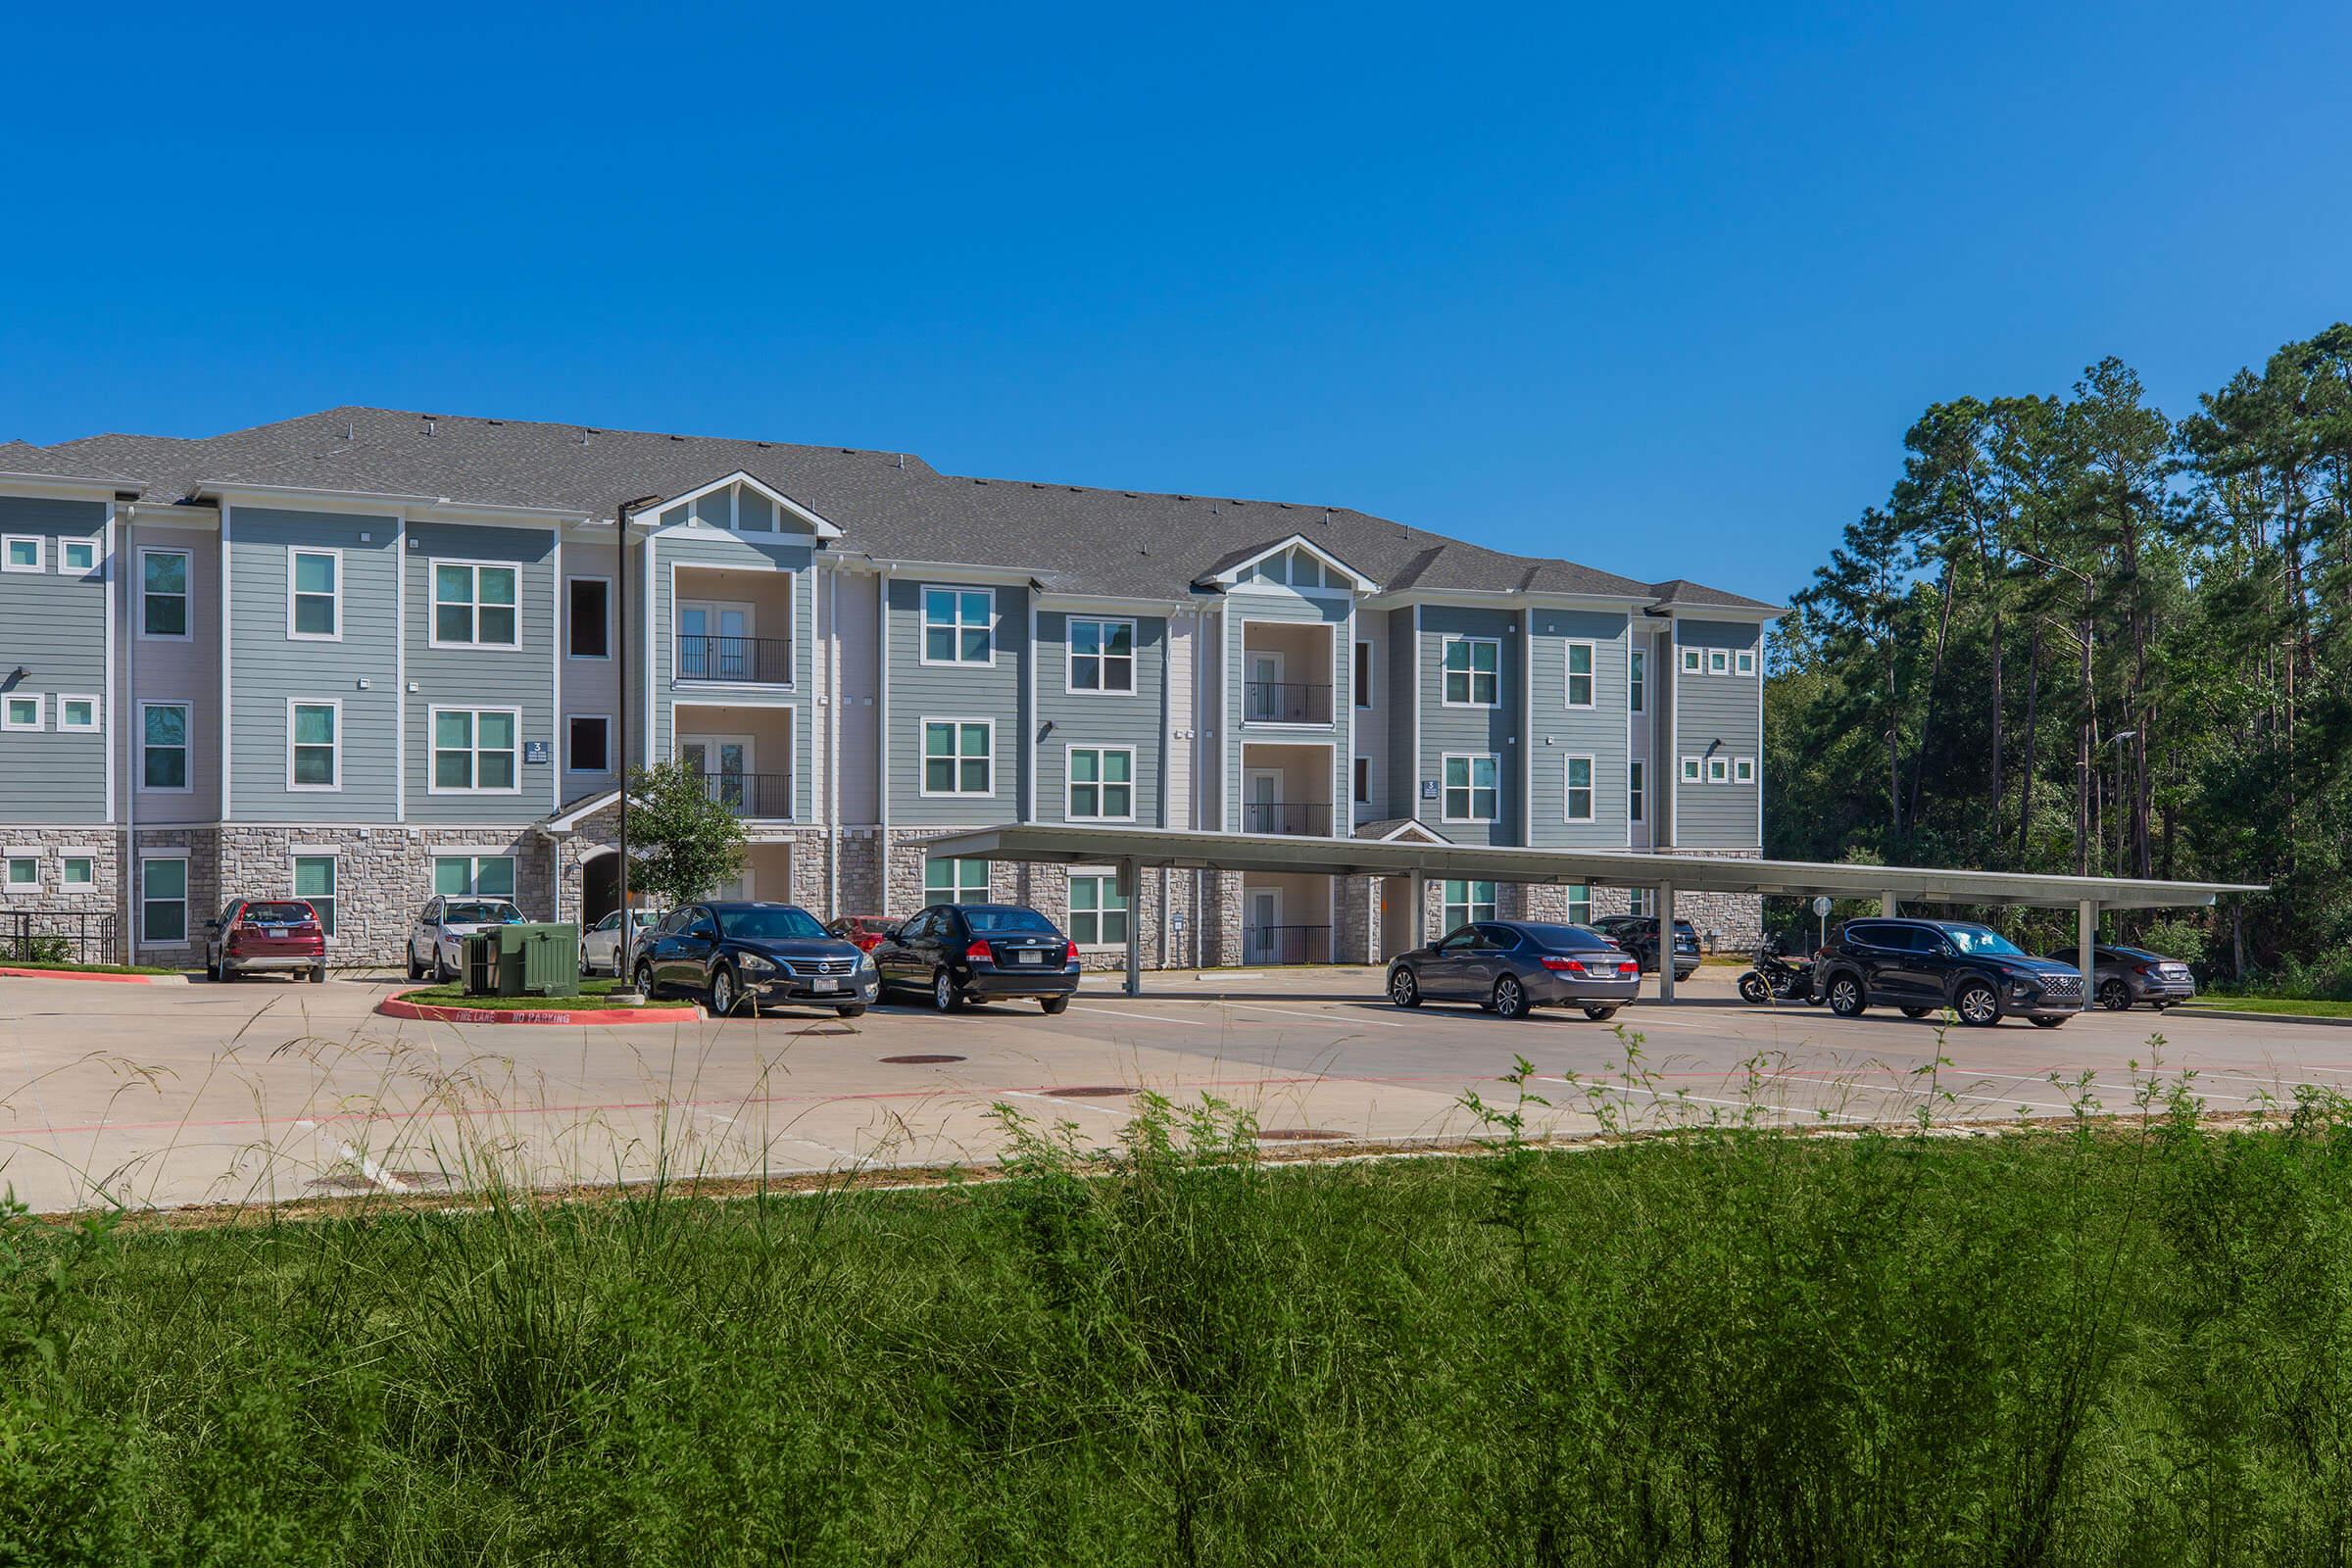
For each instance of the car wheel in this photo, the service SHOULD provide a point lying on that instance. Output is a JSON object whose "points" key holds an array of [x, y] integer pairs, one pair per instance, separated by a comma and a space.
{"points": [[1510, 997], [2115, 996], [945, 995], [1753, 991], [319, 975], [1054, 1006], [441, 969], [1404, 989], [645, 979], [1917, 1012], [415, 969], [1600, 1014], [1978, 1004], [2049, 1023], [1845, 997], [855, 1010], [585, 966], [725, 996]]}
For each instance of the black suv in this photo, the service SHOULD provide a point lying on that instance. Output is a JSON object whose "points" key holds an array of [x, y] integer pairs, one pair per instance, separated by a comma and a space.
{"points": [[1638, 934], [1923, 966], [959, 953]]}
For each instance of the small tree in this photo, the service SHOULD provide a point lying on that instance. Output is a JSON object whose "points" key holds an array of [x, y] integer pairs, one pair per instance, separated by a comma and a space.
{"points": [[684, 839]]}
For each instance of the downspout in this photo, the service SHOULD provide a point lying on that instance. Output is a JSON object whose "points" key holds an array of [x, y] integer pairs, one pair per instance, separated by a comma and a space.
{"points": [[127, 872], [833, 735]]}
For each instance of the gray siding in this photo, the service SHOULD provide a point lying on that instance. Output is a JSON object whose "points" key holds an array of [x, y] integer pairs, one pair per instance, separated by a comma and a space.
{"points": [[1264, 603], [1401, 789], [54, 625], [1559, 731], [752, 553], [160, 671], [481, 677], [1101, 719], [1718, 711], [1470, 729], [272, 669], [591, 685], [1371, 724], [859, 606], [956, 691]]}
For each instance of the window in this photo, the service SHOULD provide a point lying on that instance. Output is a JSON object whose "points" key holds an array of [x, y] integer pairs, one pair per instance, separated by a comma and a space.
{"points": [[475, 750], [1689, 660], [1719, 660], [1635, 791], [24, 874], [314, 595], [1637, 681], [1363, 794], [1363, 675], [1579, 674], [1690, 769], [78, 714], [1580, 904], [1098, 910], [20, 552], [1743, 662], [1466, 902], [314, 758], [23, 712], [1743, 771], [1641, 903], [473, 606], [77, 554], [1101, 656], [163, 900], [952, 881], [1719, 770], [1101, 784], [1470, 787], [588, 744], [78, 871], [1578, 802], [474, 876], [960, 626], [314, 884], [588, 617], [960, 756], [164, 746], [1470, 665], [164, 593]]}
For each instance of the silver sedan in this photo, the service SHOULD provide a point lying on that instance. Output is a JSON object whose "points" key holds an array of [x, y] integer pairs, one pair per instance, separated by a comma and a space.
{"points": [[1510, 968]]}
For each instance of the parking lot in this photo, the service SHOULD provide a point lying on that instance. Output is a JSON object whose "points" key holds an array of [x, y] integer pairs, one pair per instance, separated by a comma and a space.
{"points": [[269, 1090]]}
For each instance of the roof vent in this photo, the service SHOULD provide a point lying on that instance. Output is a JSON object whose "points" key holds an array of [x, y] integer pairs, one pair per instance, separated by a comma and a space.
{"points": [[583, 438], [428, 424], [678, 438]]}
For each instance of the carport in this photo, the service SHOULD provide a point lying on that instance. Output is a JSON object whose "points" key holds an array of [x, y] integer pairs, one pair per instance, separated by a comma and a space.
{"points": [[1132, 850]]}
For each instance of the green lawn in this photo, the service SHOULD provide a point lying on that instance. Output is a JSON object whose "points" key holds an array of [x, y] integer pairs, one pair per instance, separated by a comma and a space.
{"points": [[593, 995], [83, 968], [2302, 1005], [2089, 1346]]}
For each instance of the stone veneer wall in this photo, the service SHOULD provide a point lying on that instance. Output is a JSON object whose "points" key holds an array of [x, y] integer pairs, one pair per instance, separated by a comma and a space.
{"points": [[383, 875], [205, 896], [64, 907]]}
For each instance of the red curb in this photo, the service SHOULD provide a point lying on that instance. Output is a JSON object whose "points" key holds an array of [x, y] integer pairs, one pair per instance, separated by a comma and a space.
{"points": [[84, 974], [395, 1007]]}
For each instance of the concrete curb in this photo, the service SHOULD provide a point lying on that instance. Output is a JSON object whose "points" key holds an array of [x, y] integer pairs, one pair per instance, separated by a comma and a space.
{"points": [[86, 974], [396, 1007], [2260, 1017]]}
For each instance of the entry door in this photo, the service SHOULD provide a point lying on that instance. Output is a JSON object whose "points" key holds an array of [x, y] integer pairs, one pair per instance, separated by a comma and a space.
{"points": [[1261, 801], [1261, 923], [716, 640], [1265, 687], [723, 761]]}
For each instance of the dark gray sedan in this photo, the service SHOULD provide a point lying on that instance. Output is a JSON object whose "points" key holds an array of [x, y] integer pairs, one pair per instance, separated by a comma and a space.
{"points": [[1511, 966], [2128, 976]]}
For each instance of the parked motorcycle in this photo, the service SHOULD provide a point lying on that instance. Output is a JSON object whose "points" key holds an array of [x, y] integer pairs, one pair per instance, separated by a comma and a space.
{"points": [[1776, 978]]}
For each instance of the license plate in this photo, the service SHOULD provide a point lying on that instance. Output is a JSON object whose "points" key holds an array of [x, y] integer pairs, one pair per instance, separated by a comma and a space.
{"points": [[826, 982], [1029, 958], [273, 930]]}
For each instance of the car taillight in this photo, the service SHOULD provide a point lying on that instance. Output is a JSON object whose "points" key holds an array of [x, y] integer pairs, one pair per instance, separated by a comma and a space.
{"points": [[2144, 969], [1070, 954], [1629, 966], [979, 953], [1563, 965]]}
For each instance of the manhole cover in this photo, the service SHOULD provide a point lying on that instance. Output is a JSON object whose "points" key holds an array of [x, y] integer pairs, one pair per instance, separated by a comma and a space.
{"points": [[1092, 1092], [919, 1061], [1298, 1135]]}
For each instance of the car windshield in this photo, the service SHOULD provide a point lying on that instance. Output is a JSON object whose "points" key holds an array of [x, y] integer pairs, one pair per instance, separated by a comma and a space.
{"points": [[1982, 942], [1562, 938], [472, 911], [992, 921], [278, 913], [774, 923]]}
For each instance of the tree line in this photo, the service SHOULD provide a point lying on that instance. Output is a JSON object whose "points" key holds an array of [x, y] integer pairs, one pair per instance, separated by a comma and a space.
{"points": [[2083, 635]]}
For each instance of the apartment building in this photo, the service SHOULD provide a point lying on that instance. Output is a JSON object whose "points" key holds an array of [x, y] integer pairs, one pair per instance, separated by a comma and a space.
{"points": [[365, 656]]}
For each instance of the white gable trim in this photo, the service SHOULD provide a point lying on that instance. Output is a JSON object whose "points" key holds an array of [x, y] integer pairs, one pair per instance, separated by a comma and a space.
{"points": [[817, 524], [1232, 573]]}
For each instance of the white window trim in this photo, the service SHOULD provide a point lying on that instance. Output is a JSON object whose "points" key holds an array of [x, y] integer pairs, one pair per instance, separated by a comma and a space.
{"points": [[955, 889], [187, 597], [1470, 904], [1069, 654], [922, 758], [606, 656], [568, 721], [434, 603], [1363, 695], [40, 711], [333, 857], [1743, 771], [66, 857], [1743, 661], [1719, 770], [473, 860], [1636, 794], [334, 704], [294, 553], [1070, 782], [432, 729], [1692, 660], [922, 625], [8, 867], [97, 555], [1690, 771], [97, 723], [1591, 787], [40, 553], [1445, 814], [1103, 873], [1636, 688], [1444, 645], [1719, 660], [1591, 674], [141, 899], [186, 747]]}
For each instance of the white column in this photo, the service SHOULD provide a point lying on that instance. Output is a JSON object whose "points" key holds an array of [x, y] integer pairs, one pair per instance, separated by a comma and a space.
{"points": [[1666, 942], [1890, 905], [1417, 909], [2086, 948]]}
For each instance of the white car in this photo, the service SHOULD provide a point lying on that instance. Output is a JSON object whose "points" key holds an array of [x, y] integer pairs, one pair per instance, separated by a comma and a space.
{"points": [[439, 943], [600, 949]]}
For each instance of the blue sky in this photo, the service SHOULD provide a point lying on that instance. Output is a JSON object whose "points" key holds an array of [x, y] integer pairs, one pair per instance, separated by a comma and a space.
{"points": [[1656, 290]]}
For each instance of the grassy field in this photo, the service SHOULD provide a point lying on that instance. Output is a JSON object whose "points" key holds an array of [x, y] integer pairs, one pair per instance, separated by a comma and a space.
{"points": [[2302, 1006], [2112, 1344]]}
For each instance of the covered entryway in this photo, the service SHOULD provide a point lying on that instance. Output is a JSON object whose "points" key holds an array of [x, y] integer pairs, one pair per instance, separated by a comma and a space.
{"points": [[600, 887]]}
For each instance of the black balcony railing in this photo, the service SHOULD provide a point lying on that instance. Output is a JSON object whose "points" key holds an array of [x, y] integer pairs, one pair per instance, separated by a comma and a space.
{"points": [[57, 936], [1308, 818], [1285, 702], [1286, 943], [750, 661], [750, 794]]}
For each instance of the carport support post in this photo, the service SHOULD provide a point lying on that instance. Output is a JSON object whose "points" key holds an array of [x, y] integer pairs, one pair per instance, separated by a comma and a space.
{"points": [[1890, 905], [1666, 942], [2086, 948], [1417, 903], [1130, 875]]}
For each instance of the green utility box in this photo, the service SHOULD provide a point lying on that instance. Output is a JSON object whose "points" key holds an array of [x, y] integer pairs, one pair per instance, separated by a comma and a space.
{"points": [[523, 961]]}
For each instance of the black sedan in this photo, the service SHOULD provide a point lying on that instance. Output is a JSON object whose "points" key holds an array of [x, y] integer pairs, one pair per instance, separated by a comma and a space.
{"points": [[1511, 966], [1638, 934], [742, 955], [959, 953]]}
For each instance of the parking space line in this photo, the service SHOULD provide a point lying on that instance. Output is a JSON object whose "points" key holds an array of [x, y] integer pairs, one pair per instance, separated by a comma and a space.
{"points": [[1298, 1012], [1074, 1104]]}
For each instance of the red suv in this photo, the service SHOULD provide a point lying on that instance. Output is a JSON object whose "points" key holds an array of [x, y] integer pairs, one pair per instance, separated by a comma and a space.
{"points": [[265, 934], [865, 932]]}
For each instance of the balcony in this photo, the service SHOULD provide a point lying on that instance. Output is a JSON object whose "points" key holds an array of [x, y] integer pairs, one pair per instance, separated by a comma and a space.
{"points": [[1285, 702], [742, 661], [1268, 945], [751, 795], [1307, 818], [1288, 670]]}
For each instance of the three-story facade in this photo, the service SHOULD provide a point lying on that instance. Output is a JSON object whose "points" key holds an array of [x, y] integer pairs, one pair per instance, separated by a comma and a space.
{"points": [[364, 657]]}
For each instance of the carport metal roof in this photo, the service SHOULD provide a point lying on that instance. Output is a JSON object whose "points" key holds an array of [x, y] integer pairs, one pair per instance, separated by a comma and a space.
{"points": [[1694, 873]]}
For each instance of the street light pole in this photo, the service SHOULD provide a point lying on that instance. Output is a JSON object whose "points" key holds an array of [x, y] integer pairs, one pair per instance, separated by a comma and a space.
{"points": [[625, 979]]}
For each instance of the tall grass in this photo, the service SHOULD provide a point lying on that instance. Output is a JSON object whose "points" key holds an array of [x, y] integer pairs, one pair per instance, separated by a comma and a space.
{"points": [[2126, 1340]]}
